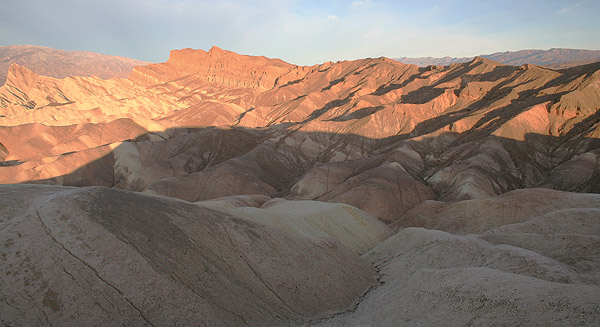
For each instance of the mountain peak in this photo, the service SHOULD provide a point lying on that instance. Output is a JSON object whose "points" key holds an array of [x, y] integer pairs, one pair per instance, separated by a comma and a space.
{"points": [[217, 66], [483, 60], [216, 50], [21, 77]]}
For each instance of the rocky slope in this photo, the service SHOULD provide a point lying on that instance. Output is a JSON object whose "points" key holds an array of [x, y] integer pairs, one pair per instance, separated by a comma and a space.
{"points": [[60, 63], [373, 133], [540, 269], [554, 58], [258, 144], [95, 256]]}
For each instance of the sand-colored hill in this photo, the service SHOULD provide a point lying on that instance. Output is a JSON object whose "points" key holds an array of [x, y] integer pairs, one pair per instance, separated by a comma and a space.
{"points": [[313, 219], [535, 270], [96, 256]]}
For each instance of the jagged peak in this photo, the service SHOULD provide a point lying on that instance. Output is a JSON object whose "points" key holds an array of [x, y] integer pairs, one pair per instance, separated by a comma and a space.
{"points": [[20, 76], [216, 50], [16, 68], [486, 61], [215, 66]]}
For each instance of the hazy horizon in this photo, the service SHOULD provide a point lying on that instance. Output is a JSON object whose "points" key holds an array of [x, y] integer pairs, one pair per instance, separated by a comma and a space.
{"points": [[301, 32]]}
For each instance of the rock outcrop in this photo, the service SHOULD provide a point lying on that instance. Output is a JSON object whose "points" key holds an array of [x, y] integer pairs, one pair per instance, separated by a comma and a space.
{"points": [[214, 66]]}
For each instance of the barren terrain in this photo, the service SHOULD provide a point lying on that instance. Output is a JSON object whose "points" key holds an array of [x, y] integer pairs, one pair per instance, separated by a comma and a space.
{"points": [[224, 189]]}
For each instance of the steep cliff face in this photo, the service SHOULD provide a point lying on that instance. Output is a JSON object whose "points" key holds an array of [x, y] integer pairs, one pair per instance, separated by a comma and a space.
{"points": [[219, 66]]}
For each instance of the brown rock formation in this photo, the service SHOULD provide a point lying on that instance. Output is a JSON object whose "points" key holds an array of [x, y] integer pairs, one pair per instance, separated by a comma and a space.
{"points": [[215, 66]]}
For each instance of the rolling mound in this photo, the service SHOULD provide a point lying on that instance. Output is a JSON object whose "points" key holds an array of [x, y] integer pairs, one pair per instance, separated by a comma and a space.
{"points": [[97, 256], [360, 231], [539, 270]]}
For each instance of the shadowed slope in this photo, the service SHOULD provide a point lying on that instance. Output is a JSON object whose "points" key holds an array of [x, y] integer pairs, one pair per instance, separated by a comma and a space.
{"points": [[97, 256], [348, 132]]}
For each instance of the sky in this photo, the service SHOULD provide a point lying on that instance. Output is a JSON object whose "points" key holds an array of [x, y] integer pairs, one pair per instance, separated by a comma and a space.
{"points": [[302, 32]]}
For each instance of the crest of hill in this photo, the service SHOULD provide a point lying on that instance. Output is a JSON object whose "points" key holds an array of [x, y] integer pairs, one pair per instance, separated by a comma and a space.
{"points": [[61, 63]]}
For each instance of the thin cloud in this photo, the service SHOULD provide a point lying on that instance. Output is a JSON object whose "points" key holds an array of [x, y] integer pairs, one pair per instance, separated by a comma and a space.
{"points": [[333, 17], [571, 7], [361, 3]]}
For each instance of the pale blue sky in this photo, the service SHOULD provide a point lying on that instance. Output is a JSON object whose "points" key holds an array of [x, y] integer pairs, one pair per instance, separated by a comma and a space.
{"points": [[302, 32]]}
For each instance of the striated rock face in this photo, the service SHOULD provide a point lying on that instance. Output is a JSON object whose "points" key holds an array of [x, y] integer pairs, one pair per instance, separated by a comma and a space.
{"points": [[3, 152], [215, 66], [60, 63], [96, 256]]}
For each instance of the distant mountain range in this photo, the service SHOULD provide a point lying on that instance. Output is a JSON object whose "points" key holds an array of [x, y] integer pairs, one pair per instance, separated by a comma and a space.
{"points": [[553, 58], [61, 63]]}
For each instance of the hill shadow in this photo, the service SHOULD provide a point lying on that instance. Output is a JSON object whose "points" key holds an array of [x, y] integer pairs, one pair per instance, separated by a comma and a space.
{"points": [[270, 161]]}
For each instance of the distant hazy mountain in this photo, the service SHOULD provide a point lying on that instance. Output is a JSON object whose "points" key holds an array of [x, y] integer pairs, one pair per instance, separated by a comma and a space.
{"points": [[62, 63], [555, 58]]}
